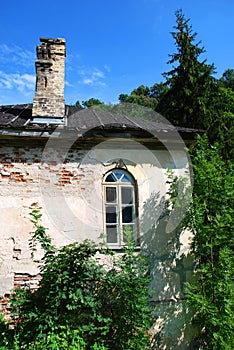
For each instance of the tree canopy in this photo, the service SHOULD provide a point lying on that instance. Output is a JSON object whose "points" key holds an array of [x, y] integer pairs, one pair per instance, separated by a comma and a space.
{"points": [[189, 98], [227, 79], [89, 103]]}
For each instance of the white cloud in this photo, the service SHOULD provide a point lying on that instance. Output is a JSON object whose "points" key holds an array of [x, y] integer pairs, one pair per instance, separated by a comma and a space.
{"points": [[17, 55], [88, 81], [107, 68], [17, 81], [92, 76], [66, 83], [98, 74]]}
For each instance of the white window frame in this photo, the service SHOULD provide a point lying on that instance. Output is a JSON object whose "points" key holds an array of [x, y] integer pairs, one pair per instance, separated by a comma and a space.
{"points": [[118, 184]]}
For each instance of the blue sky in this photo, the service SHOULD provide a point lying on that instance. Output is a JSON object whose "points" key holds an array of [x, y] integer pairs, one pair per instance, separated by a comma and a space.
{"points": [[112, 46]]}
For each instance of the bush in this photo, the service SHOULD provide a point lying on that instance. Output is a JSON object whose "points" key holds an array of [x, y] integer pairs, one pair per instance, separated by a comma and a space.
{"points": [[80, 304], [210, 218]]}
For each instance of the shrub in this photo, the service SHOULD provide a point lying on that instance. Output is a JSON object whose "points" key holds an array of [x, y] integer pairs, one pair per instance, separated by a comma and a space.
{"points": [[81, 303]]}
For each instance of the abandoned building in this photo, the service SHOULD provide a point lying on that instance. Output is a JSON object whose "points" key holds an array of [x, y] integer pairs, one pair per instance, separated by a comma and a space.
{"points": [[92, 172]]}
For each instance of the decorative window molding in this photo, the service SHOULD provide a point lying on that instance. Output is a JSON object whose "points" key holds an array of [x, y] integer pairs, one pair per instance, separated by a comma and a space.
{"points": [[120, 211]]}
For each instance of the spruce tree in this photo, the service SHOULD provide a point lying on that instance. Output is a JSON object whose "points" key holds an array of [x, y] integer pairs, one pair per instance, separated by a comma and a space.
{"points": [[188, 101]]}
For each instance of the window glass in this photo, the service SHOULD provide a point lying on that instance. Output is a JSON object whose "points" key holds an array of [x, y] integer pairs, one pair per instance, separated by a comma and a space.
{"points": [[118, 174], [127, 214], [127, 195], [111, 234], [110, 178], [111, 194], [128, 233], [111, 214], [120, 207], [126, 178]]}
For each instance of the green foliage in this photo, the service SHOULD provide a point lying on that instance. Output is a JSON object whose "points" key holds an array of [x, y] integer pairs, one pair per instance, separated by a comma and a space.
{"points": [[211, 220], [89, 103], [5, 334], [227, 79], [82, 303], [222, 127], [78, 104], [40, 236], [190, 96], [188, 100], [145, 96]]}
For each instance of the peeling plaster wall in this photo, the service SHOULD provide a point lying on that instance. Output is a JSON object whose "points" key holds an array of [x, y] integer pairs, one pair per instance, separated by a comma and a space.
{"points": [[70, 194]]}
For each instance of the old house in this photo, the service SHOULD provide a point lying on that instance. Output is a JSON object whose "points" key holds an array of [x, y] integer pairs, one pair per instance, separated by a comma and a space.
{"points": [[93, 172]]}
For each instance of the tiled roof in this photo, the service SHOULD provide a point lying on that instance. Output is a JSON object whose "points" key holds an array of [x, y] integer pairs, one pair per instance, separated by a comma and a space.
{"points": [[19, 118], [15, 116]]}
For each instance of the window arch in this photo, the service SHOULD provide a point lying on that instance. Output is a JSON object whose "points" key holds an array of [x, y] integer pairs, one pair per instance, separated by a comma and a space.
{"points": [[119, 207]]}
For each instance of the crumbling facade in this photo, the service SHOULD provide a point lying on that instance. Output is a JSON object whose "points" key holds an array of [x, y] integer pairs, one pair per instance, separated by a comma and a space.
{"points": [[92, 173]]}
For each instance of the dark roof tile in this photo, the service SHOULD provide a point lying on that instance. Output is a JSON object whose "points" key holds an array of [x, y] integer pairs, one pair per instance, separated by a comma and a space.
{"points": [[20, 117]]}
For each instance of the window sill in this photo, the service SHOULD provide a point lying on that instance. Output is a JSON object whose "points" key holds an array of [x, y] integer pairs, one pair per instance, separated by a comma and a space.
{"points": [[122, 248]]}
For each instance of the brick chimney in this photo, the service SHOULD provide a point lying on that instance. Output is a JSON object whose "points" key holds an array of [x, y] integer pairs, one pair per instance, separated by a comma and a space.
{"points": [[49, 97]]}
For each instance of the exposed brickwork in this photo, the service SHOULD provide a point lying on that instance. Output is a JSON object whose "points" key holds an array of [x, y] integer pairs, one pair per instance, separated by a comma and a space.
{"points": [[5, 308], [24, 280], [21, 280], [24, 166], [25, 179]]}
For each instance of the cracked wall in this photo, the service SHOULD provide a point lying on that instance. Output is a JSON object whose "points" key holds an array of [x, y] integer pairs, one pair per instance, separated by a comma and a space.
{"points": [[70, 194]]}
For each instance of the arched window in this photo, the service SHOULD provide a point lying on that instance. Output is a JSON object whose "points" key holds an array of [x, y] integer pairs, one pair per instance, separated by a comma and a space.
{"points": [[119, 207]]}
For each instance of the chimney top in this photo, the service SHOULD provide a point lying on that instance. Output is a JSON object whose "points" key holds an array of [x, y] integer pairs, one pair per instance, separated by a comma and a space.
{"points": [[51, 40], [49, 101]]}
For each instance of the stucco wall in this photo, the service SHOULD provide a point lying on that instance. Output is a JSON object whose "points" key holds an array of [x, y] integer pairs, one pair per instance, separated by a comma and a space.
{"points": [[69, 190]]}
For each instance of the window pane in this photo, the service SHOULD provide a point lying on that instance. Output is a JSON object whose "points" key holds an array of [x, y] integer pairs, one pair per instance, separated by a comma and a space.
{"points": [[128, 233], [111, 234], [118, 174], [110, 178], [126, 178], [110, 194], [127, 195], [111, 214], [127, 214]]}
